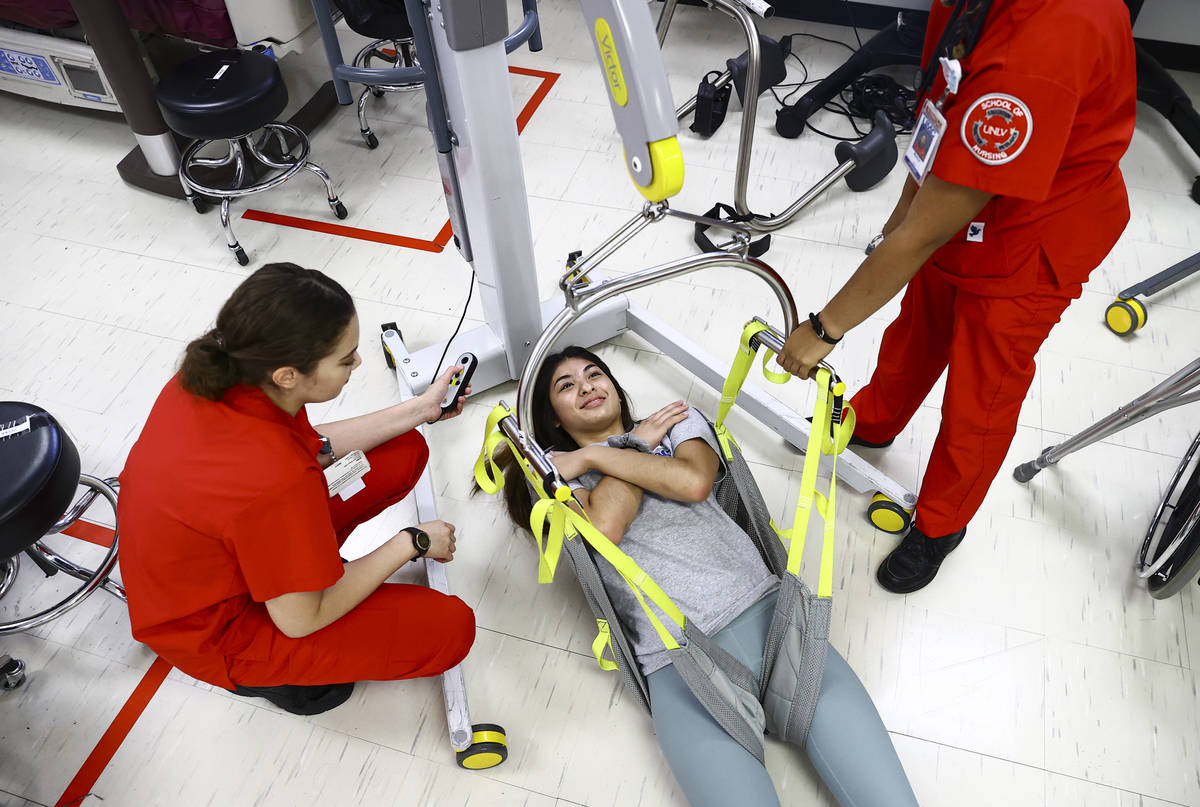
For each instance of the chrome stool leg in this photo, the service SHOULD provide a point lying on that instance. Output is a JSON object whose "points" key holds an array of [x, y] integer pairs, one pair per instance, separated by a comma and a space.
{"points": [[239, 178], [364, 128], [9, 574], [92, 579], [335, 204], [12, 672]]}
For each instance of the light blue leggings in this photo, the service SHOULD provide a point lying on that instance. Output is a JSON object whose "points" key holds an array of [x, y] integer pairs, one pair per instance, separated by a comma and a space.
{"points": [[848, 744]]}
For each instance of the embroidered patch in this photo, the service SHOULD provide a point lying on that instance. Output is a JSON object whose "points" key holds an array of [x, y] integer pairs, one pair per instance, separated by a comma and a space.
{"points": [[997, 128], [975, 231]]}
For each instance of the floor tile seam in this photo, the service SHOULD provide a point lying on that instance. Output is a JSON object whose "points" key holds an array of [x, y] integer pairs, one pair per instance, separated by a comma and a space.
{"points": [[92, 653], [1046, 636], [111, 248], [23, 798], [546, 645], [101, 323], [983, 754], [1108, 441], [1044, 770]]}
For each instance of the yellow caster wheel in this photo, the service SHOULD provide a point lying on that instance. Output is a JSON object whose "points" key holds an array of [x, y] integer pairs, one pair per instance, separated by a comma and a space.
{"points": [[1125, 316], [888, 516], [489, 747]]}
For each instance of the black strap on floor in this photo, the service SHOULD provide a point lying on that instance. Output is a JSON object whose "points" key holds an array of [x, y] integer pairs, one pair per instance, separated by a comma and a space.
{"points": [[727, 213]]}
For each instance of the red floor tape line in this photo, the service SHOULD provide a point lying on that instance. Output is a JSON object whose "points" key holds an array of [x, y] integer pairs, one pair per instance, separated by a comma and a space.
{"points": [[103, 753], [92, 533], [392, 239]]}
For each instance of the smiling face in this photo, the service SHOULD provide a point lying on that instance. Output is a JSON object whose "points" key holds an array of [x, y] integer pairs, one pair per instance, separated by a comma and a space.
{"points": [[585, 401], [332, 372]]}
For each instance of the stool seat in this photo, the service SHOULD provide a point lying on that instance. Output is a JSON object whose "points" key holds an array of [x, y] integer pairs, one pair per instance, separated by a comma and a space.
{"points": [[222, 94], [41, 474], [376, 19]]}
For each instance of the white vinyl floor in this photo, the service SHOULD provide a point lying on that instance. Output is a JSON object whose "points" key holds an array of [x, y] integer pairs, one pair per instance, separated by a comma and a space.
{"points": [[1035, 671]]}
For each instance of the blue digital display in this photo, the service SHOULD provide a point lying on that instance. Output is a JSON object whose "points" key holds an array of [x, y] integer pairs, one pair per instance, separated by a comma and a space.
{"points": [[26, 65]]}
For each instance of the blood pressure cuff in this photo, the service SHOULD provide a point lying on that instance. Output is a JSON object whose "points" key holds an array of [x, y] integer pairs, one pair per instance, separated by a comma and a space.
{"points": [[711, 105]]}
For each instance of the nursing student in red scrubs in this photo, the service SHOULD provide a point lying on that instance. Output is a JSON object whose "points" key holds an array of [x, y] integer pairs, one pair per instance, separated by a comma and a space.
{"points": [[1024, 198], [230, 537]]}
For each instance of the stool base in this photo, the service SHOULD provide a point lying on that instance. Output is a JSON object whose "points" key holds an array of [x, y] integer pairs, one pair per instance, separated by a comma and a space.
{"points": [[250, 157]]}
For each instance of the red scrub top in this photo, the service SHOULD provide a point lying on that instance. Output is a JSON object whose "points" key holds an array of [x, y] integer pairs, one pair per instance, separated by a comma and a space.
{"points": [[1044, 112], [223, 506]]}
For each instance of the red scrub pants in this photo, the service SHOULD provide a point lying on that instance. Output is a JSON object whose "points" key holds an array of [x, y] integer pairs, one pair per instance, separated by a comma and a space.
{"points": [[989, 344], [399, 631]]}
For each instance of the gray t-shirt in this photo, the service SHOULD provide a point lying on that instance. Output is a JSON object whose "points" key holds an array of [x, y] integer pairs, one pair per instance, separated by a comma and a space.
{"points": [[695, 552]]}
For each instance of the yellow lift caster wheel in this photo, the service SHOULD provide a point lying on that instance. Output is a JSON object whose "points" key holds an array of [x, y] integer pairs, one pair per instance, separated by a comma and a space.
{"points": [[1125, 316], [489, 747], [888, 516]]}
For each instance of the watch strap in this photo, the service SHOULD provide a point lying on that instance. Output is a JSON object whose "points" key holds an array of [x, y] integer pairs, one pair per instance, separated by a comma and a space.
{"points": [[819, 329]]}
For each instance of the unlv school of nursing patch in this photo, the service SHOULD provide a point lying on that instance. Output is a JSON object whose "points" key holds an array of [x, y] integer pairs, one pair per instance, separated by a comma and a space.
{"points": [[997, 128]]}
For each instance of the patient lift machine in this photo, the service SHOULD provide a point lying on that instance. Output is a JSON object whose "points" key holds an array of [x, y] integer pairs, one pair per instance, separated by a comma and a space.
{"points": [[461, 48]]}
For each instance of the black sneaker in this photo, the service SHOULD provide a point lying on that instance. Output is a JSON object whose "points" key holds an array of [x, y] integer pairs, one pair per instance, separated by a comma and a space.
{"points": [[913, 564], [300, 700], [855, 440]]}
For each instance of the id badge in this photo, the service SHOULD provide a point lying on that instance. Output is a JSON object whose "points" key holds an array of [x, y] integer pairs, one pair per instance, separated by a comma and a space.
{"points": [[927, 135], [344, 477]]}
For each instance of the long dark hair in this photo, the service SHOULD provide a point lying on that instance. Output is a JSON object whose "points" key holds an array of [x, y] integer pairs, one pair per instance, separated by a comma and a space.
{"points": [[550, 435], [280, 316]]}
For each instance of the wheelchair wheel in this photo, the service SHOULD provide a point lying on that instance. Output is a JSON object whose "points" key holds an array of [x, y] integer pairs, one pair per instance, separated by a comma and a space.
{"points": [[1123, 317], [489, 747], [887, 515], [1170, 555]]}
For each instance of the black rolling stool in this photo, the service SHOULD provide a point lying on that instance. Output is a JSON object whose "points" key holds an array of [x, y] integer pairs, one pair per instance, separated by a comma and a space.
{"points": [[39, 475], [229, 95], [386, 22]]}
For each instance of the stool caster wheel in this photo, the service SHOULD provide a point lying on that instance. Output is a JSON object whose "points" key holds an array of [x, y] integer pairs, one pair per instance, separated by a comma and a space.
{"points": [[377, 94], [1125, 316], [200, 205], [12, 672], [887, 515], [339, 210], [387, 354], [488, 748], [240, 254]]}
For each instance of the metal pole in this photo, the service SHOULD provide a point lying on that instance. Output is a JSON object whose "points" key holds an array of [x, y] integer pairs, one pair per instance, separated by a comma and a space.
{"points": [[580, 300]]}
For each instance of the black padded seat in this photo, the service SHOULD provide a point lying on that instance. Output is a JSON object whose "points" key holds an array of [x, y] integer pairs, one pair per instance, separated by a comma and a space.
{"points": [[376, 19], [39, 474], [222, 94]]}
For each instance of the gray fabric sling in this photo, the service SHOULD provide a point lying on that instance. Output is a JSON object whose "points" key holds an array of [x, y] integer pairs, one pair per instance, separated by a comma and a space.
{"points": [[781, 696]]}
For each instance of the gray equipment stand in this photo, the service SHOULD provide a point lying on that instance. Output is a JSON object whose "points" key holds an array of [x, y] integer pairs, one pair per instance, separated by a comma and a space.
{"points": [[454, 688], [1134, 308]]}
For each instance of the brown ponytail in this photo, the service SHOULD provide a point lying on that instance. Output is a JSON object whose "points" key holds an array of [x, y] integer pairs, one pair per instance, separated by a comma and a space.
{"points": [[280, 316]]}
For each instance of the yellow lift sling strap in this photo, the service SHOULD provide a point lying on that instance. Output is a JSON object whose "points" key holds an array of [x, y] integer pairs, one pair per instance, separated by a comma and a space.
{"points": [[553, 520]]}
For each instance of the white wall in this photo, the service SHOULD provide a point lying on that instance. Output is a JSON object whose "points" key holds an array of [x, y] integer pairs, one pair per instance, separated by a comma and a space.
{"points": [[1170, 21]]}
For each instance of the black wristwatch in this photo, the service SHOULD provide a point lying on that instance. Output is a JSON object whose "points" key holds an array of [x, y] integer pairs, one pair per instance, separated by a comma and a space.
{"points": [[420, 540], [819, 329]]}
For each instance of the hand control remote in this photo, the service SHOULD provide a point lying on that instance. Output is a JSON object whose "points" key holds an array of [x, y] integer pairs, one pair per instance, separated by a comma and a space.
{"points": [[459, 382]]}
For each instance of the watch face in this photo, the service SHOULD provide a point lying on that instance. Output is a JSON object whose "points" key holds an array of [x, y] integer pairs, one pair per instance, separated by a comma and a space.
{"points": [[422, 540]]}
